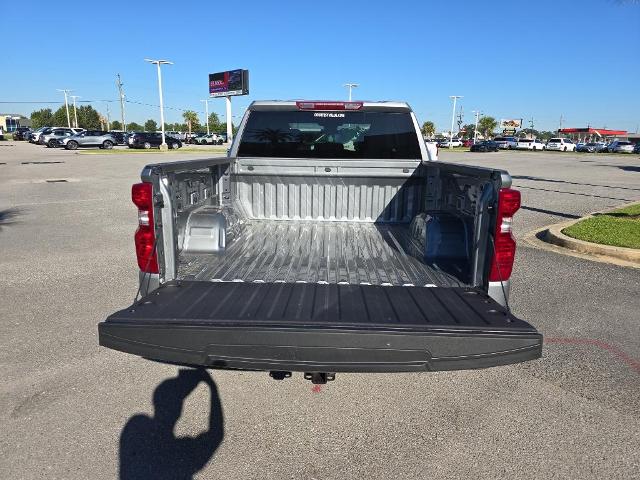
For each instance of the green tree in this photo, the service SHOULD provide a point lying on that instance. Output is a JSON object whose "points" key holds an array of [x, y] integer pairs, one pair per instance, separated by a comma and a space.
{"points": [[150, 126], [191, 119], [59, 118], [214, 123], [486, 126], [469, 129], [88, 117], [41, 118], [116, 125], [428, 129], [134, 127]]}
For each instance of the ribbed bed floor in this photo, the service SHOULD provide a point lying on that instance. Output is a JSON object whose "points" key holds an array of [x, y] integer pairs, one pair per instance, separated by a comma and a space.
{"points": [[317, 252]]}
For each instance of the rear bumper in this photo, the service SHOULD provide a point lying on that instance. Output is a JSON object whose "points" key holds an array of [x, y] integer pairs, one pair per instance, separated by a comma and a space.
{"points": [[309, 349]]}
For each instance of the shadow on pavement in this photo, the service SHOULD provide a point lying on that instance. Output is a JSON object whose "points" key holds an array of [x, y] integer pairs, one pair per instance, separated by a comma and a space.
{"points": [[549, 212], [629, 168], [148, 447], [552, 180], [7, 217]]}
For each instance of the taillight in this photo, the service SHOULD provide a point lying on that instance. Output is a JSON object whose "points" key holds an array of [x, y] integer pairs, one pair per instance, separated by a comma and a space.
{"points": [[313, 105], [505, 244], [145, 237]]}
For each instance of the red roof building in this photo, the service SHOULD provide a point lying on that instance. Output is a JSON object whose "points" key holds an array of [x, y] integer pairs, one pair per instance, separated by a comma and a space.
{"points": [[589, 132]]}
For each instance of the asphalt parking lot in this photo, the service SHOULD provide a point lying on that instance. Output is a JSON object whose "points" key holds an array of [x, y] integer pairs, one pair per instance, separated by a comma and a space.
{"points": [[70, 409]]}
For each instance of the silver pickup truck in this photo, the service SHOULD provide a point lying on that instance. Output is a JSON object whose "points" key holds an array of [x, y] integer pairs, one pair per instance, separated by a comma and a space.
{"points": [[330, 239]]}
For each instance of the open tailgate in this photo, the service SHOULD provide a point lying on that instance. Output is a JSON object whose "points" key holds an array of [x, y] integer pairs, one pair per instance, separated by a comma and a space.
{"points": [[321, 328]]}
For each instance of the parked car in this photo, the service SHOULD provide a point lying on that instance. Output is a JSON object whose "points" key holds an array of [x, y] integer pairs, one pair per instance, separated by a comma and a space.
{"points": [[151, 139], [120, 136], [485, 146], [561, 145], [49, 130], [468, 142], [592, 147], [21, 133], [529, 144], [506, 143], [620, 146], [52, 139], [237, 277], [456, 142], [211, 139], [636, 148], [89, 138], [190, 137], [174, 134]]}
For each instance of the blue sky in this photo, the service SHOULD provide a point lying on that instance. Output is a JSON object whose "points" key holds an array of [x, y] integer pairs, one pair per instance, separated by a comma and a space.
{"points": [[509, 59]]}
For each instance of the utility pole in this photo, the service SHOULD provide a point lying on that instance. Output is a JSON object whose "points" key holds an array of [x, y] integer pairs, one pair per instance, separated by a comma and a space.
{"points": [[560, 124], [475, 129], [75, 112], [453, 117], [108, 117], [531, 126], [66, 104], [460, 118], [121, 95], [206, 110], [163, 145], [351, 86]]}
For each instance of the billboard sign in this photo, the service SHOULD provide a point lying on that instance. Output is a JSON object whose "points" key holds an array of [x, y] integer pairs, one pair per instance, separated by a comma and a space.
{"points": [[231, 82], [511, 123]]}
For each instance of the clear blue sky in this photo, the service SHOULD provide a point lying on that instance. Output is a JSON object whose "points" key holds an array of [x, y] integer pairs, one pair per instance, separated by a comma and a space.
{"points": [[512, 59]]}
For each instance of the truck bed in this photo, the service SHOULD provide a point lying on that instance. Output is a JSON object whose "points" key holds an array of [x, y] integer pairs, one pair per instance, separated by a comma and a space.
{"points": [[320, 252]]}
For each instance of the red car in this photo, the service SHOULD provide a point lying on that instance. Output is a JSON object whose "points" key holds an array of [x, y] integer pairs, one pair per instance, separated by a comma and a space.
{"points": [[467, 143]]}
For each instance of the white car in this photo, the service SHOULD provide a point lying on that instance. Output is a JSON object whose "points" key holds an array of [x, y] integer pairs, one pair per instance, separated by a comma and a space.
{"points": [[529, 144], [561, 145], [506, 142], [620, 146], [453, 143]]}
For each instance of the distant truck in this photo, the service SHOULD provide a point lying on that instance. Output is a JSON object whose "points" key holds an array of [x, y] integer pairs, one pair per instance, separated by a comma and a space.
{"points": [[330, 239]]}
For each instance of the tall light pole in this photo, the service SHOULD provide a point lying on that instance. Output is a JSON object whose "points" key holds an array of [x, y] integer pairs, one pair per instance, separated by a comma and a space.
{"points": [[163, 146], [351, 86], [75, 112], [66, 103], [453, 117], [121, 95], [206, 112], [475, 129]]}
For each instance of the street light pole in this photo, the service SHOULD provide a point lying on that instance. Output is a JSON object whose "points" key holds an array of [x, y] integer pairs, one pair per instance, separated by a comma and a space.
{"points": [[475, 129], [66, 104], [163, 146], [121, 95], [206, 110], [75, 112], [453, 118], [350, 86]]}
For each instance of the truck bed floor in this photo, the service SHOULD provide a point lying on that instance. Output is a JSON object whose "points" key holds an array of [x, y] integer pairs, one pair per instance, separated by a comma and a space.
{"points": [[318, 252]]}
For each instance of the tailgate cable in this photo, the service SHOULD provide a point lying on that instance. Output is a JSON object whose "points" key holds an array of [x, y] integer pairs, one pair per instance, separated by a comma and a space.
{"points": [[146, 274], [504, 294]]}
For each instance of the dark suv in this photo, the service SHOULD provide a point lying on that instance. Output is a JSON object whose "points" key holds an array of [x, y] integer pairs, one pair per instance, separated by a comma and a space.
{"points": [[152, 139], [21, 133]]}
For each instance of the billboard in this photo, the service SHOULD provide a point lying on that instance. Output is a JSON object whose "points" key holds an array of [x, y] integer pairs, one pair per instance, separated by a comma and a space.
{"points": [[511, 123], [231, 82]]}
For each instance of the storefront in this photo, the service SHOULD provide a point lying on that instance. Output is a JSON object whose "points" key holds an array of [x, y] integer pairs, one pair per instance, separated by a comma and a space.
{"points": [[589, 134]]}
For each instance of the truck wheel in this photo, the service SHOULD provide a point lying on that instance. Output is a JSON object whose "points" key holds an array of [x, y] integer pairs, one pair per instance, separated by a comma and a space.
{"points": [[72, 145], [147, 145], [565, 149], [107, 145], [220, 142], [175, 146], [534, 147]]}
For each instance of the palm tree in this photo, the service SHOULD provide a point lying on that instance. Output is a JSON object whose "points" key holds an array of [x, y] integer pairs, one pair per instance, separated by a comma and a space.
{"points": [[428, 129], [191, 118], [486, 126]]}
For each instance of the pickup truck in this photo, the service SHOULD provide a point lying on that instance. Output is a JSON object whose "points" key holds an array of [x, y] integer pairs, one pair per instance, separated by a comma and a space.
{"points": [[329, 239]]}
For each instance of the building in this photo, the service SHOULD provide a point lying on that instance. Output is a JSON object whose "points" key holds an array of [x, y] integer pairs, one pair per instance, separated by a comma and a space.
{"points": [[589, 134], [11, 121]]}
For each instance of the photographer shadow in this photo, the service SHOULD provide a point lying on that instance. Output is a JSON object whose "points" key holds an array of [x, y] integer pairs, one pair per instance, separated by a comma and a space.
{"points": [[148, 446]]}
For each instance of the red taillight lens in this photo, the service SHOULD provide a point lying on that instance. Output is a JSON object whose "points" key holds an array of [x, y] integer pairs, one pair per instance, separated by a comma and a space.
{"points": [[505, 245], [313, 105], [145, 238]]}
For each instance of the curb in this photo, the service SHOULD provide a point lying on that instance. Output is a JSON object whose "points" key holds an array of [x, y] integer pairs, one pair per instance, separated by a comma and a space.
{"points": [[551, 238], [554, 235]]}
